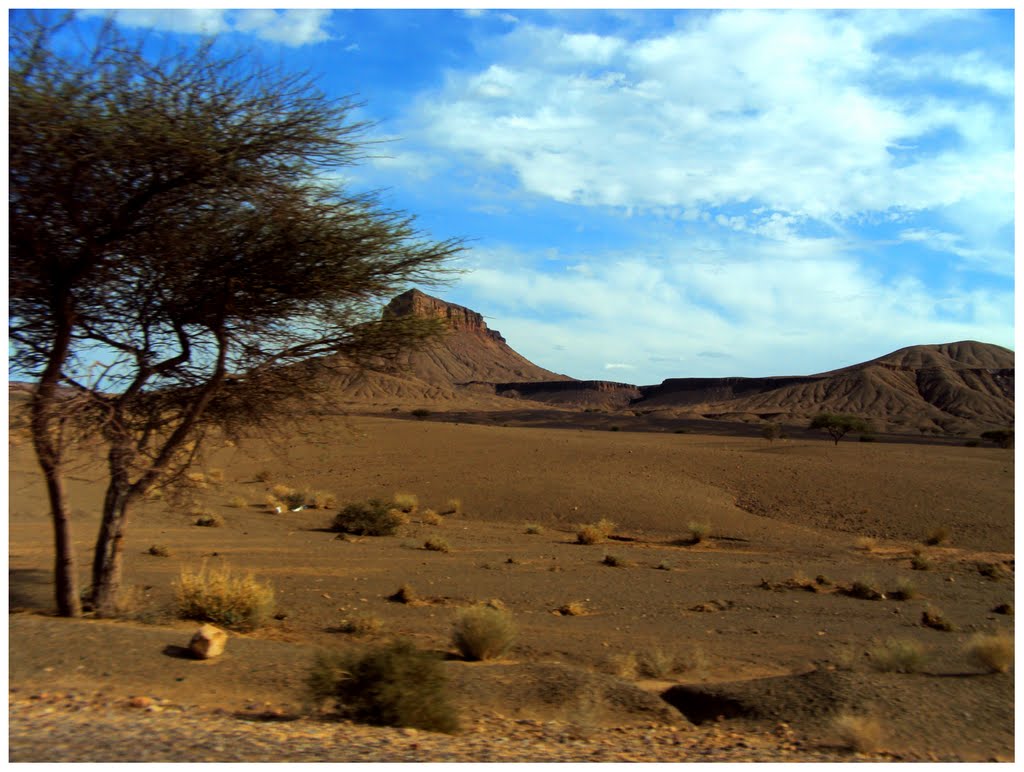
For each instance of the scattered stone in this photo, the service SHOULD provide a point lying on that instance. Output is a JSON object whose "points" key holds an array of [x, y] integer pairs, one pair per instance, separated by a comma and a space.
{"points": [[141, 702], [208, 642]]}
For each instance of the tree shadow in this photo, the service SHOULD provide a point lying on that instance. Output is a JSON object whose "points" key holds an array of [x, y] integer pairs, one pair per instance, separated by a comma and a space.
{"points": [[29, 588]]}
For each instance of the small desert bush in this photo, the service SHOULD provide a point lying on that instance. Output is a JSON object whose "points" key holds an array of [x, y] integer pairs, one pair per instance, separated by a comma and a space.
{"points": [[281, 491], [430, 517], [574, 608], [361, 624], [620, 665], [263, 475], [436, 544], [393, 685], [406, 502], [1003, 608], [238, 502], [533, 529], [905, 590], [215, 595], [452, 507], [938, 536], [373, 518], [932, 617], [483, 632], [664, 565], [990, 570], [614, 561], [209, 520], [595, 533], [215, 475], [159, 550], [697, 532], [920, 563], [404, 594], [992, 651], [898, 655], [272, 502], [196, 479], [294, 499], [859, 733], [320, 499], [866, 543], [864, 589]]}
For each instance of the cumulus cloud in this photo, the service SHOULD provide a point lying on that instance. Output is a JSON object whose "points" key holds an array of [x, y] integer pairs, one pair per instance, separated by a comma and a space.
{"points": [[784, 109], [290, 27]]}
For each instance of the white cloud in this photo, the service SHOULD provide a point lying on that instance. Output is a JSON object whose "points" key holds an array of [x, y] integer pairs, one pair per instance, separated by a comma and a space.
{"points": [[290, 27], [771, 308], [742, 106]]}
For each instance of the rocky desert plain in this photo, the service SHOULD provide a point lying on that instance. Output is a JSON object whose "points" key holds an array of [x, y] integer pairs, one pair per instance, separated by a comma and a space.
{"points": [[746, 599]]}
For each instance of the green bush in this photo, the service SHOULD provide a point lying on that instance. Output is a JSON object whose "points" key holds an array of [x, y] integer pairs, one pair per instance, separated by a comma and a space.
{"points": [[373, 518], [393, 685], [483, 632]]}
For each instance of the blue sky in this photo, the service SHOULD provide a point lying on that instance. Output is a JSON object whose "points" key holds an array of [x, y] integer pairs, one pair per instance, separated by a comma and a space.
{"points": [[675, 193]]}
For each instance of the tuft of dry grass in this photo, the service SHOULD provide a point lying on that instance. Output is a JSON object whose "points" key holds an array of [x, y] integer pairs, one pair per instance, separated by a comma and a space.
{"points": [[860, 733], [215, 476], [406, 502], [866, 543], [899, 655], [404, 594], [595, 533], [159, 550], [938, 536], [533, 529], [905, 590], [215, 595], [452, 507], [316, 499], [574, 608], [992, 651], [238, 502], [1003, 608], [430, 517], [920, 563], [664, 565], [263, 475], [864, 589], [697, 532], [483, 632], [436, 544], [209, 520], [272, 502], [614, 561], [360, 624], [932, 617], [281, 491], [196, 479]]}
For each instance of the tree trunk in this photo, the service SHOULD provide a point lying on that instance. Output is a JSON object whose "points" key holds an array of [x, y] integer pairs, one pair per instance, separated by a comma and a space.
{"points": [[106, 564], [48, 445]]}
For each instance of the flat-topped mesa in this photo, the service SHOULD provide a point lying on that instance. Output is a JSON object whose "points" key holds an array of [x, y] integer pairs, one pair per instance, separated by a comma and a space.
{"points": [[416, 303]]}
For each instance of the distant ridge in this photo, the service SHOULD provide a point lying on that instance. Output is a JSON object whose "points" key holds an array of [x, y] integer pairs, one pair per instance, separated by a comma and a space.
{"points": [[955, 388]]}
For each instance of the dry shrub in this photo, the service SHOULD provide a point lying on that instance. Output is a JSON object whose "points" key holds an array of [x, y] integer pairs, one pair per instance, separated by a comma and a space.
{"points": [[991, 570], [1003, 608], [863, 734], [614, 561], [373, 518], [697, 532], [664, 565], [209, 520], [905, 590], [273, 502], [483, 632], [656, 662], [294, 500], [595, 533], [406, 502], [452, 507], [938, 536], [404, 594], [196, 479], [281, 491], [866, 543], [920, 563], [321, 499], [574, 608], [215, 475], [215, 595], [436, 544], [263, 475], [620, 665], [159, 550], [932, 617], [393, 685], [361, 624], [898, 655], [992, 651], [238, 502], [430, 517], [533, 529], [865, 589]]}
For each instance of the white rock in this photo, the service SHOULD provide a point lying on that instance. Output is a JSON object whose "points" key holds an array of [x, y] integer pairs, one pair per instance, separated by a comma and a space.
{"points": [[208, 642]]}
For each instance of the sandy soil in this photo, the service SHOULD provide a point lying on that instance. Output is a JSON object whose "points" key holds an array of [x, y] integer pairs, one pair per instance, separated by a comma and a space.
{"points": [[761, 651]]}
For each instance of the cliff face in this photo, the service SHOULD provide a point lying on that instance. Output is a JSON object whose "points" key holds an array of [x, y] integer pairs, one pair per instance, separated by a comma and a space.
{"points": [[416, 303]]}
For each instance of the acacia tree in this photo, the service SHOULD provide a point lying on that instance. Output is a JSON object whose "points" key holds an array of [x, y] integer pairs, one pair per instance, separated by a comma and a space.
{"points": [[837, 425], [178, 263]]}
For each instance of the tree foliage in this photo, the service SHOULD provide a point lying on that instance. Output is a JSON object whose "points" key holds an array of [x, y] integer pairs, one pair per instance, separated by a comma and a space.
{"points": [[178, 260], [837, 425], [1001, 437]]}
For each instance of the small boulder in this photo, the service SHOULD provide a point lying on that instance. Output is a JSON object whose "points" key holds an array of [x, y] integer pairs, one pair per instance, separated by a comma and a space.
{"points": [[208, 642]]}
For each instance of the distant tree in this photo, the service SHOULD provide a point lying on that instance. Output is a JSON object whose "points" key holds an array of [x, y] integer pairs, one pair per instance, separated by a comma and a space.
{"points": [[838, 426], [178, 262], [1001, 437], [771, 431]]}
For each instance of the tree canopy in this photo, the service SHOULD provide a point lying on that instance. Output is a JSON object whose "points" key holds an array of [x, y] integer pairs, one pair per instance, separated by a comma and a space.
{"points": [[838, 425]]}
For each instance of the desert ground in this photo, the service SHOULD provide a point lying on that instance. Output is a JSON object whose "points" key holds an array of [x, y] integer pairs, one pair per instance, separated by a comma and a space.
{"points": [[766, 647]]}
